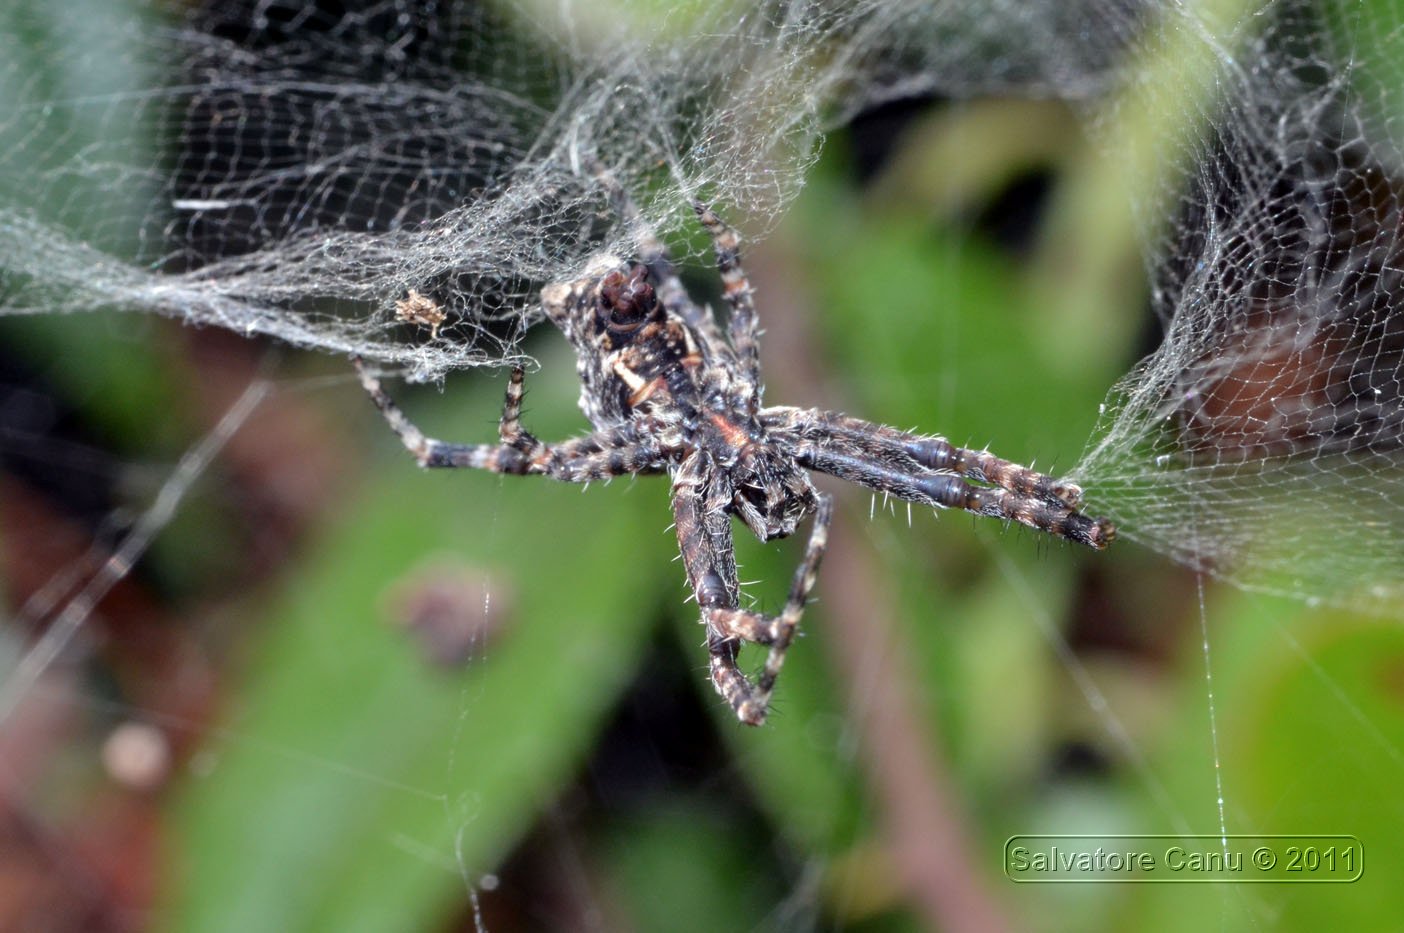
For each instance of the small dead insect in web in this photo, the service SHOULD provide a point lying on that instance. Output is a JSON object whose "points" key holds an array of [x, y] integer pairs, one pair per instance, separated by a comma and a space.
{"points": [[421, 310], [668, 393]]}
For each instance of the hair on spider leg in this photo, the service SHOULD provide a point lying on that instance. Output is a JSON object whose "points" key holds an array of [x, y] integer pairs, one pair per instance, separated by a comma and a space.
{"points": [[668, 391]]}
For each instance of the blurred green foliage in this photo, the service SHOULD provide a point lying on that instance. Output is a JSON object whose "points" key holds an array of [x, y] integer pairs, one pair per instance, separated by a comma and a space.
{"points": [[363, 782]]}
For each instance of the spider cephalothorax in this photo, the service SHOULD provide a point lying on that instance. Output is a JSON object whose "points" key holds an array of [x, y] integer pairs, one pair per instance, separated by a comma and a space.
{"points": [[668, 393]]}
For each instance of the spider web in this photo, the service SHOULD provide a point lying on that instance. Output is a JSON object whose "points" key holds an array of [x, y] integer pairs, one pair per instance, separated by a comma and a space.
{"points": [[300, 171], [300, 177], [1261, 440]]}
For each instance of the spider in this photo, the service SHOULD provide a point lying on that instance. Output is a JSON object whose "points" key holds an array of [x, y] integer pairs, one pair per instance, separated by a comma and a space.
{"points": [[668, 393]]}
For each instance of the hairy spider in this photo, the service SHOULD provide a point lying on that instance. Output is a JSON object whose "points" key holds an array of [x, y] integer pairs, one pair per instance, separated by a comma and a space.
{"points": [[667, 393]]}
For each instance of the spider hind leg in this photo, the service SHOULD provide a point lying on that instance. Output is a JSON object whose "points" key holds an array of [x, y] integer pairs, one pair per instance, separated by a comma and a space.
{"points": [[743, 328]]}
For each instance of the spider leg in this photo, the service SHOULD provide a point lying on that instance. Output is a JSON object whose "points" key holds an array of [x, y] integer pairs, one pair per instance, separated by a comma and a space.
{"points": [[704, 538], [907, 479], [618, 451], [509, 429], [743, 328], [934, 453], [782, 630]]}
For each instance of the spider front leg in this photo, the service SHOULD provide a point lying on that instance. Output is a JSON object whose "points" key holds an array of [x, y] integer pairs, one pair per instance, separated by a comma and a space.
{"points": [[619, 451], [927, 470], [934, 453], [705, 540]]}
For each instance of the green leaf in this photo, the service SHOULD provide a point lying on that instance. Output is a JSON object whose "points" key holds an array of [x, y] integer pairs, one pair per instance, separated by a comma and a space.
{"points": [[359, 788]]}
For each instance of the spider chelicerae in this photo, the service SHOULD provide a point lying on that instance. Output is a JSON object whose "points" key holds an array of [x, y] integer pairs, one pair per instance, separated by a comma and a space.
{"points": [[668, 393]]}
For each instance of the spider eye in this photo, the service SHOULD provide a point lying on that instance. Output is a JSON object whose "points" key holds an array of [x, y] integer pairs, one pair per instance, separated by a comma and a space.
{"points": [[626, 302]]}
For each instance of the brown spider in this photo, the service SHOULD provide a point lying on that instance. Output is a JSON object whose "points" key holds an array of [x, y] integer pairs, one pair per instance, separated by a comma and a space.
{"points": [[667, 393]]}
